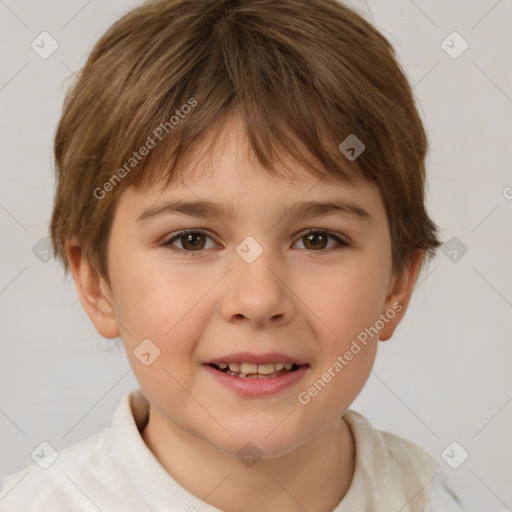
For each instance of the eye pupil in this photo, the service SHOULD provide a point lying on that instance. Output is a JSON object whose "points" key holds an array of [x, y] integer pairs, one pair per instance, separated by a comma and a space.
{"points": [[192, 238], [314, 238]]}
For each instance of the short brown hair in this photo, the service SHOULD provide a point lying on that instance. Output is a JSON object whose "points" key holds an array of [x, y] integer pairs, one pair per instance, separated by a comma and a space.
{"points": [[302, 74]]}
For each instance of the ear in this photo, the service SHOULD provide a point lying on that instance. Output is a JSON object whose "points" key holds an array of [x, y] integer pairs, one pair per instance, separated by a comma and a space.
{"points": [[93, 291], [399, 295]]}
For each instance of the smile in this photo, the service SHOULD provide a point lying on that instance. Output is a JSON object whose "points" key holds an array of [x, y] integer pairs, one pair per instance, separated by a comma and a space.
{"points": [[258, 378], [255, 371]]}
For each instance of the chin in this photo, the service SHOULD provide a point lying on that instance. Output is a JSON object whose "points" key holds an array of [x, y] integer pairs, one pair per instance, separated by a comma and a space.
{"points": [[258, 440]]}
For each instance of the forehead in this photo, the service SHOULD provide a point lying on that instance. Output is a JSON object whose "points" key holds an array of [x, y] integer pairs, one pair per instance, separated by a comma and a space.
{"points": [[227, 142], [222, 168], [254, 199], [224, 152]]}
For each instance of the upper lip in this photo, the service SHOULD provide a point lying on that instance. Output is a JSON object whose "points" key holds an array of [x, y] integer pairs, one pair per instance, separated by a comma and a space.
{"points": [[248, 357]]}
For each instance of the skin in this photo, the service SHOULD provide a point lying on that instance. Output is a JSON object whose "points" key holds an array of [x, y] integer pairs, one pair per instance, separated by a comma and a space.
{"points": [[304, 299]]}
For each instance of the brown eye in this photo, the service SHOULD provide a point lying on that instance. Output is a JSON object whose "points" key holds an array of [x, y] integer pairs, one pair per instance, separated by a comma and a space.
{"points": [[192, 241], [315, 241]]}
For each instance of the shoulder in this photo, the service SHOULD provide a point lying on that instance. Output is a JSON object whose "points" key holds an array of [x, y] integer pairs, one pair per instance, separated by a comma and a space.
{"points": [[80, 477], [442, 496], [392, 472], [388, 453], [52, 483]]}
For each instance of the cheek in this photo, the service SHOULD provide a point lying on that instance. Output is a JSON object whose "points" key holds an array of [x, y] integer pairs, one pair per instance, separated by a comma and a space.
{"points": [[348, 304], [163, 306], [156, 302], [346, 301]]}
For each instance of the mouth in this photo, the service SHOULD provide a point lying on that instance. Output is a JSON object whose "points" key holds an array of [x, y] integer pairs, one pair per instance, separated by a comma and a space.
{"points": [[246, 370], [257, 375]]}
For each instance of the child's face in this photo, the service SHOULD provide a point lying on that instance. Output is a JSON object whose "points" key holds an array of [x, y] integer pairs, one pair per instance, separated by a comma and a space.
{"points": [[302, 299]]}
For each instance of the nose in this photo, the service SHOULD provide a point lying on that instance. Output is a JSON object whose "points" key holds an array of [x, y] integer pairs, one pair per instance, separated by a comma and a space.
{"points": [[258, 294]]}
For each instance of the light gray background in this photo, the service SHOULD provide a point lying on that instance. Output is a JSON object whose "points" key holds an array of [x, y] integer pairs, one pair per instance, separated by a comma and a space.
{"points": [[446, 374]]}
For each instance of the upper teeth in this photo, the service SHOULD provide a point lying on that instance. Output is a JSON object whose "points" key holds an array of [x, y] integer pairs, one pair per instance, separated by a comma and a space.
{"points": [[248, 368]]}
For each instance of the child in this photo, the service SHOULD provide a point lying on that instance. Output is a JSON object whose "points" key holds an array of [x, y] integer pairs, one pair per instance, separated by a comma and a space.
{"points": [[240, 198]]}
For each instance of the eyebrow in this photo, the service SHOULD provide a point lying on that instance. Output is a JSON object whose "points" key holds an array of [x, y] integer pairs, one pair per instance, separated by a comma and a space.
{"points": [[208, 209]]}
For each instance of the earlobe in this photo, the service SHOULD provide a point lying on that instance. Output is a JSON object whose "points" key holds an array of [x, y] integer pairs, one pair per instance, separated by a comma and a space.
{"points": [[399, 294], [93, 291]]}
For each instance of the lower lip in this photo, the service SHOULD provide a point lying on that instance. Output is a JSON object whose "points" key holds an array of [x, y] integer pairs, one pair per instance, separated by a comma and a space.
{"points": [[258, 387]]}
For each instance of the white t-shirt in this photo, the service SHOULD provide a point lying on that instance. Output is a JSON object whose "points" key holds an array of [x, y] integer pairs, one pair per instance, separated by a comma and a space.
{"points": [[114, 471]]}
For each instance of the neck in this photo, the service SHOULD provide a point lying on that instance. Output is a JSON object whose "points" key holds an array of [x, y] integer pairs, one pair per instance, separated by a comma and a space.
{"points": [[314, 476]]}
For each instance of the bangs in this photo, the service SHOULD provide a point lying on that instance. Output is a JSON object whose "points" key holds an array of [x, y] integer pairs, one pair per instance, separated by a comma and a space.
{"points": [[286, 124], [300, 76], [269, 78]]}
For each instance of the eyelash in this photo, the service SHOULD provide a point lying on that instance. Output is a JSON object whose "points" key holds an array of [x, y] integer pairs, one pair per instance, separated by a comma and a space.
{"points": [[342, 243]]}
